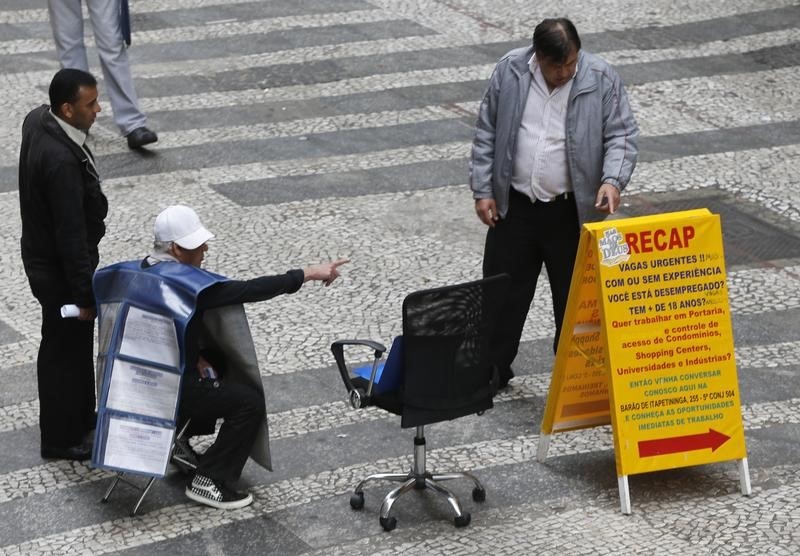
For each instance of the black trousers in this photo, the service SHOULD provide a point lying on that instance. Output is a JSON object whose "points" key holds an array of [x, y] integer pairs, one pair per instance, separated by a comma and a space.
{"points": [[65, 373], [530, 235], [242, 409]]}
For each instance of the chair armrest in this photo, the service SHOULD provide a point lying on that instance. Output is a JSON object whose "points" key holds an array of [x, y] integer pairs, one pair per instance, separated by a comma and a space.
{"points": [[337, 348]]}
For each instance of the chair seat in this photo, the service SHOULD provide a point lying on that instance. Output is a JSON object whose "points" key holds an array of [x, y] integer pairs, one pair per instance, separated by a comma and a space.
{"points": [[412, 416], [391, 401]]}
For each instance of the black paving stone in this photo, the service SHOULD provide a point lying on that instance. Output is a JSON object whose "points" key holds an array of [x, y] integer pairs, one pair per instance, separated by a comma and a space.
{"points": [[772, 58], [697, 32], [16, 32], [257, 43], [278, 111], [767, 327], [314, 146], [243, 12], [8, 334], [664, 147], [14, 460], [757, 385], [747, 239], [19, 384], [279, 190], [344, 184], [258, 535], [773, 445], [36, 61]]}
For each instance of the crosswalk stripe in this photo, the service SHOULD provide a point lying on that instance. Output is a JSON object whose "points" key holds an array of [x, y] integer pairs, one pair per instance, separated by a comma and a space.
{"points": [[141, 7], [208, 67], [332, 415], [215, 31], [369, 84], [752, 291], [293, 167], [683, 106], [667, 175], [508, 530], [183, 519], [303, 420], [297, 128], [398, 45], [358, 85], [775, 177]]}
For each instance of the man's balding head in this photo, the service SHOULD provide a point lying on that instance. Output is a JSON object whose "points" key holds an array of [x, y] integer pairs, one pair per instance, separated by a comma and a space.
{"points": [[555, 39]]}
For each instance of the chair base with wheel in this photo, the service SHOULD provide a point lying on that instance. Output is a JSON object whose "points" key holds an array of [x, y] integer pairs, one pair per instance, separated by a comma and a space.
{"points": [[419, 479]]}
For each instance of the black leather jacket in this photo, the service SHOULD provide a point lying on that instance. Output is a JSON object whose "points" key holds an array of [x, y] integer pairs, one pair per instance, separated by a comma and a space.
{"points": [[62, 209]]}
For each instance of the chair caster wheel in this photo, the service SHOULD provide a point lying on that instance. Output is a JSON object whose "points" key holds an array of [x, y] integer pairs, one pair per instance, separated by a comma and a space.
{"points": [[462, 520], [389, 523], [479, 494], [358, 398], [357, 501]]}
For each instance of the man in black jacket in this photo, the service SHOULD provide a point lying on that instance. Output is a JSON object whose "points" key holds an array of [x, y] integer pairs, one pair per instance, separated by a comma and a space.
{"points": [[62, 209]]}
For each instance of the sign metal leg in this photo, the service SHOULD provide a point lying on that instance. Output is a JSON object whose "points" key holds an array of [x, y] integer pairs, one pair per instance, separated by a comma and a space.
{"points": [[744, 477], [541, 450], [624, 494]]}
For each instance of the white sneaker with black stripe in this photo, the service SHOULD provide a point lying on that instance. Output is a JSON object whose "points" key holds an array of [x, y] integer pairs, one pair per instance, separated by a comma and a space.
{"points": [[216, 494]]}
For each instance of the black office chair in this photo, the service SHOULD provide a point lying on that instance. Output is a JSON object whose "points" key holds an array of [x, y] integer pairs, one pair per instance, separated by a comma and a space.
{"points": [[446, 372]]}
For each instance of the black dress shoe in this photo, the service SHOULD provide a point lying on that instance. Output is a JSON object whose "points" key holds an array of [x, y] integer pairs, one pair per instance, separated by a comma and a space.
{"points": [[503, 377], [77, 453], [140, 137]]}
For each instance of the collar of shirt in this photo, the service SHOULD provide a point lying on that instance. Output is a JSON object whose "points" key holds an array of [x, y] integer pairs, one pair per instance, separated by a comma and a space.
{"points": [[76, 135], [160, 257]]}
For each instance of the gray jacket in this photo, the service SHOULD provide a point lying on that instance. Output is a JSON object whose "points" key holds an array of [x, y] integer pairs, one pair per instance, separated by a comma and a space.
{"points": [[601, 131]]}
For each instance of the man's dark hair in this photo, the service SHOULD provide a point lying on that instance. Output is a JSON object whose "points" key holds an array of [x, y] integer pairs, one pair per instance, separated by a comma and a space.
{"points": [[65, 84], [555, 38]]}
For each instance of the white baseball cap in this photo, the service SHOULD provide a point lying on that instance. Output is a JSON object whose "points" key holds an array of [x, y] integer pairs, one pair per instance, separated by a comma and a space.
{"points": [[180, 224]]}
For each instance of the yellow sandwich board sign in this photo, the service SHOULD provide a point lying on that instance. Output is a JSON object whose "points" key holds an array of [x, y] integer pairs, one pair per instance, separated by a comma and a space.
{"points": [[647, 345]]}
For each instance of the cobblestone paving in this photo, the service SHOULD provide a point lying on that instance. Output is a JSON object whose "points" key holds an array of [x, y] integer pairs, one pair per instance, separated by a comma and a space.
{"points": [[304, 130]]}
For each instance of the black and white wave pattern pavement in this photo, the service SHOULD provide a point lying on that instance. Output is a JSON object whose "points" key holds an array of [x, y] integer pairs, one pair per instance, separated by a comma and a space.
{"points": [[303, 130]]}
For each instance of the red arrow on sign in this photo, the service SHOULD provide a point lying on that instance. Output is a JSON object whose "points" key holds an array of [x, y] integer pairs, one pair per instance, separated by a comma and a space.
{"points": [[677, 444]]}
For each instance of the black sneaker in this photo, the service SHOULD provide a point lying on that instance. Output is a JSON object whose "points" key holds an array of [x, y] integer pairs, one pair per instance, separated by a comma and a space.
{"points": [[216, 494]]}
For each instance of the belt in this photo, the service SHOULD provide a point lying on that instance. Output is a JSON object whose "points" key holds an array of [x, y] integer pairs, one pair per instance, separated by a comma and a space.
{"points": [[566, 196]]}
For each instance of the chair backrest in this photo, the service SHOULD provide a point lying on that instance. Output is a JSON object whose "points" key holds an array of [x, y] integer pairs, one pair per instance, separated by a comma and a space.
{"points": [[448, 366]]}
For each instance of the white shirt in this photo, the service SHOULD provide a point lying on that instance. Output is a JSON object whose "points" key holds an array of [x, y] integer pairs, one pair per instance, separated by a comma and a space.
{"points": [[540, 162], [78, 136]]}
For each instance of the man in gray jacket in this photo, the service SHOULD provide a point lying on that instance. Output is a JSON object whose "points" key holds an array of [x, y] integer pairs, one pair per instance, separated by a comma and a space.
{"points": [[555, 144]]}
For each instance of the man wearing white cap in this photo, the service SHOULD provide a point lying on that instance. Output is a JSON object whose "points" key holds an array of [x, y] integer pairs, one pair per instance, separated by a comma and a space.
{"points": [[180, 237]]}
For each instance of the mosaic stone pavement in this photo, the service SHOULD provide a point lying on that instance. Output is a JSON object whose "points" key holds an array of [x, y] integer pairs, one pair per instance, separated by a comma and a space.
{"points": [[304, 130]]}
